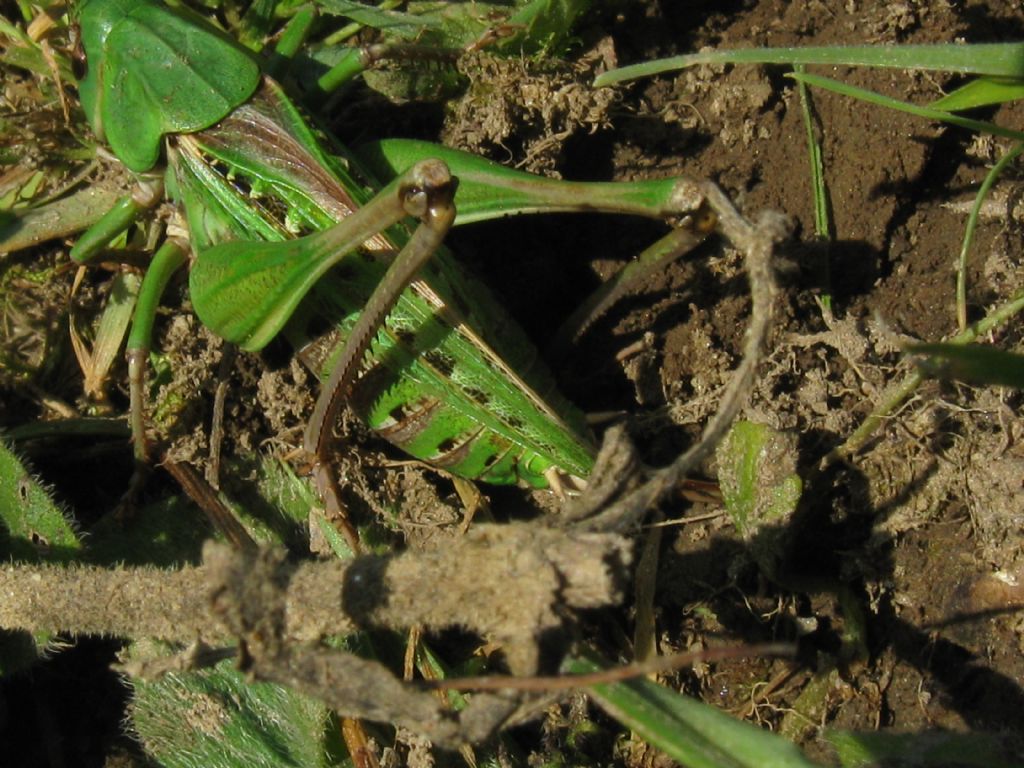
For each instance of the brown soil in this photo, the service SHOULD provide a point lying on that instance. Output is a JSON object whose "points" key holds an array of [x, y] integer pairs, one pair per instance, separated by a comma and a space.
{"points": [[920, 531], [915, 543]]}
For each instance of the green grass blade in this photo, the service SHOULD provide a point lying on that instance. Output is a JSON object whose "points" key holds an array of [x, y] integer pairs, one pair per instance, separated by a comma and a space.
{"points": [[690, 732], [819, 191], [969, 750], [889, 103], [111, 332], [24, 228], [973, 363], [13, 32], [257, 24], [822, 219], [972, 221], [997, 59], [981, 92]]}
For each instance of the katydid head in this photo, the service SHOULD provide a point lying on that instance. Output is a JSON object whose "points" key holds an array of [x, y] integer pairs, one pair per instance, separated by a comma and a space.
{"points": [[151, 70]]}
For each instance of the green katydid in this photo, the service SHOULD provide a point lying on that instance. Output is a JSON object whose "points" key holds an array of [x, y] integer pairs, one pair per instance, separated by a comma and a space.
{"points": [[282, 227]]}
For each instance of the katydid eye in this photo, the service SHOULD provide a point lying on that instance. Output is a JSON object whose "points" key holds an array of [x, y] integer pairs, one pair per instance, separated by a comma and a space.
{"points": [[416, 201]]}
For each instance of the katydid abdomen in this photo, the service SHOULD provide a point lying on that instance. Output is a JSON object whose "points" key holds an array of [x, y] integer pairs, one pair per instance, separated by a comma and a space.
{"points": [[448, 378]]}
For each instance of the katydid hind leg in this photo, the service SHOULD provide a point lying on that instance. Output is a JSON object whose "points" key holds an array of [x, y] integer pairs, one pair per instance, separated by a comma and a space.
{"points": [[488, 190], [427, 193]]}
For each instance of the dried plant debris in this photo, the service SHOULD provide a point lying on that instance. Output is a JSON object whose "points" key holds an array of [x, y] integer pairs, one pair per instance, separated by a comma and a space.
{"points": [[513, 584], [525, 109]]}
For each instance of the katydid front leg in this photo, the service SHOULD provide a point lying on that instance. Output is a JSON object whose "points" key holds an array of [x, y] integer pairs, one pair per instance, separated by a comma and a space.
{"points": [[170, 257], [148, 191], [284, 271]]}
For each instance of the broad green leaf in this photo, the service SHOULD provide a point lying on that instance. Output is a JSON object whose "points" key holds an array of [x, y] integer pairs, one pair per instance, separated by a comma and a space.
{"points": [[34, 526], [152, 70], [757, 473], [217, 719]]}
